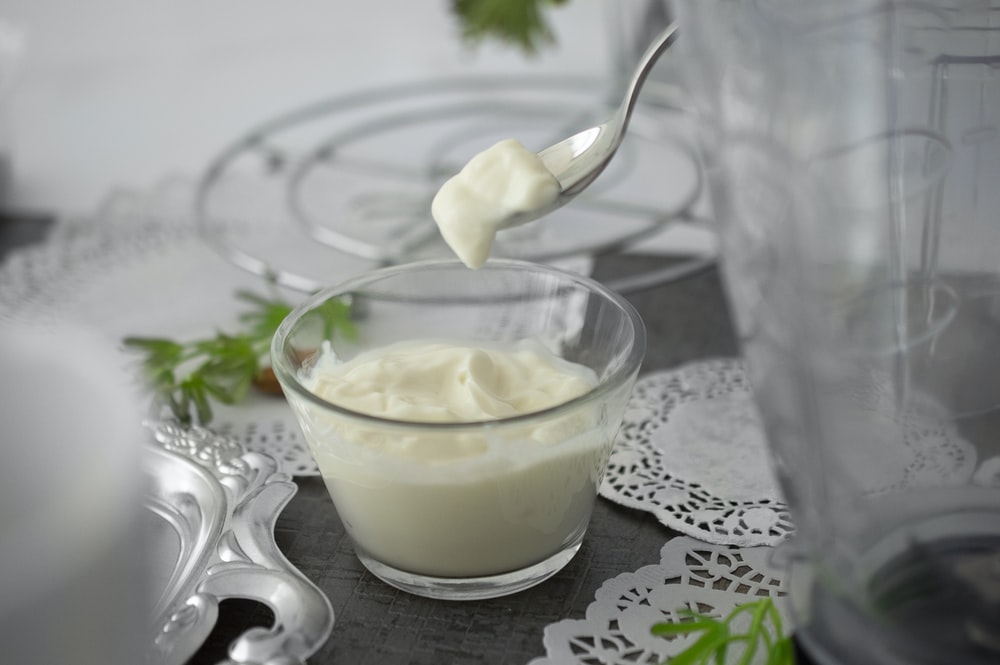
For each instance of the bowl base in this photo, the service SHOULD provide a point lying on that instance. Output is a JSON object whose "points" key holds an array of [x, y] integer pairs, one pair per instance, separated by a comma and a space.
{"points": [[471, 588]]}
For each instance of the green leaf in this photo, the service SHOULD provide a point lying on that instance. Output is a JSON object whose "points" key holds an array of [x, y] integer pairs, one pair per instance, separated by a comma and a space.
{"points": [[162, 379], [682, 628], [263, 323], [193, 391], [716, 638], [518, 22], [685, 612], [782, 653], [775, 617], [159, 352], [151, 343], [224, 365], [174, 399], [230, 369], [703, 647], [758, 613]]}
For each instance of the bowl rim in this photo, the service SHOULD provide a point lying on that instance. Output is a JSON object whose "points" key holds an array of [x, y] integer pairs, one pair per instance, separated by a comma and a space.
{"points": [[289, 380]]}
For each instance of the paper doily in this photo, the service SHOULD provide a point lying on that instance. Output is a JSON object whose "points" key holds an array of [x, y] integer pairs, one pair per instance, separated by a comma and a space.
{"points": [[267, 425], [709, 579], [692, 451], [988, 473]]}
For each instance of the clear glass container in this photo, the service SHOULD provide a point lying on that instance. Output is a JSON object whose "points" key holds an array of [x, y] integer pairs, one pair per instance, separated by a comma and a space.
{"points": [[474, 509], [853, 154]]}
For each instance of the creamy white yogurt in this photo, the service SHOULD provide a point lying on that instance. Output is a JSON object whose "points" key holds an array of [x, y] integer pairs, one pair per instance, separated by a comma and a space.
{"points": [[446, 382], [431, 498], [499, 182]]}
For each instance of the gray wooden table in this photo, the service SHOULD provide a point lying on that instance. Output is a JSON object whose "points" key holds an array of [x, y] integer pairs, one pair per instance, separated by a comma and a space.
{"points": [[686, 320], [376, 624]]}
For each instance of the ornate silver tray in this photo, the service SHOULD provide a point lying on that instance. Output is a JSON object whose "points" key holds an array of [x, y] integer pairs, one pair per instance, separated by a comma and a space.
{"points": [[211, 510]]}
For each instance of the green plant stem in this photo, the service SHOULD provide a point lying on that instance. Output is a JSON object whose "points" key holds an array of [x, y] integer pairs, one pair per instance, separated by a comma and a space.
{"points": [[716, 636], [187, 377]]}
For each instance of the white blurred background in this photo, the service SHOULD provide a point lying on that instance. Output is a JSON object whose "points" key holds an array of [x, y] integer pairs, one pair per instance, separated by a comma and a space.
{"points": [[70, 563], [119, 92]]}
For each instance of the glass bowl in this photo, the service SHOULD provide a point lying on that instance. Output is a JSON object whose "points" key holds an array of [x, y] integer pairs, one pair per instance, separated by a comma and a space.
{"points": [[466, 510]]}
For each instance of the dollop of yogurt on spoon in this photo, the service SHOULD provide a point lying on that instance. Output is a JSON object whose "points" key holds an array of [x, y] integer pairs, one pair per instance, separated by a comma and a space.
{"points": [[495, 185]]}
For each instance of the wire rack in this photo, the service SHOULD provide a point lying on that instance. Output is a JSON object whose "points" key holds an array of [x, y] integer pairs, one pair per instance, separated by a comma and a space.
{"points": [[349, 180]]}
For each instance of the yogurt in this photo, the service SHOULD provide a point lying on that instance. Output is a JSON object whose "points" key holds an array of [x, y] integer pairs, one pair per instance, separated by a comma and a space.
{"points": [[472, 206], [445, 382], [427, 495]]}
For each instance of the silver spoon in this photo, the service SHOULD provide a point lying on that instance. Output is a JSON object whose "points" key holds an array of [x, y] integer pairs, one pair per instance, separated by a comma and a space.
{"points": [[577, 161]]}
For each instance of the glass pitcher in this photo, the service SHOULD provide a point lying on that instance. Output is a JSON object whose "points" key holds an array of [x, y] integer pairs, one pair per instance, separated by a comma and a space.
{"points": [[853, 150]]}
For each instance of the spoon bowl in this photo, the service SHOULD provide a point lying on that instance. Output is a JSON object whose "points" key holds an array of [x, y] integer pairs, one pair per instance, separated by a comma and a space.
{"points": [[575, 162]]}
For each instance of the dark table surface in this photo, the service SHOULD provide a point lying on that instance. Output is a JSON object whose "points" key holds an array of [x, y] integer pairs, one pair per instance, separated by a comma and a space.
{"points": [[686, 320], [375, 623]]}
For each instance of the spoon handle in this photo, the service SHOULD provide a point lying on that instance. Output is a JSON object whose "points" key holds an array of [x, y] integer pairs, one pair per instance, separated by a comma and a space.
{"points": [[646, 62]]}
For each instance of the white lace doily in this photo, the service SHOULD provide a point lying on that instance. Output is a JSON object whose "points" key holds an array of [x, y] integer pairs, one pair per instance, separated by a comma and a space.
{"points": [[692, 451], [988, 473], [692, 575]]}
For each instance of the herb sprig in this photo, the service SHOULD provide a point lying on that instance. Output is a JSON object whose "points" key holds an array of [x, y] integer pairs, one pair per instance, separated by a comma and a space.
{"points": [[717, 636], [187, 376], [518, 22]]}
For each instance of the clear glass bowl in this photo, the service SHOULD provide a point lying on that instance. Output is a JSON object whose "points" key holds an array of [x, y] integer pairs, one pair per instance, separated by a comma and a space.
{"points": [[467, 510]]}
